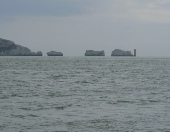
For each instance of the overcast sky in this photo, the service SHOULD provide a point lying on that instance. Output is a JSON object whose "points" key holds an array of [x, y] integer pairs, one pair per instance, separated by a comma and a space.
{"points": [[74, 26]]}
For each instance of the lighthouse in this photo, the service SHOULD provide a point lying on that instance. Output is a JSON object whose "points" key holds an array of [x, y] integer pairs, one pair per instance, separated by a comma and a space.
{"points": [[134, 52]]}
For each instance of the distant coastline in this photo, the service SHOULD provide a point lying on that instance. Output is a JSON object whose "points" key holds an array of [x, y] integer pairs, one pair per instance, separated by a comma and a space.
{"points": [[9, 48]]}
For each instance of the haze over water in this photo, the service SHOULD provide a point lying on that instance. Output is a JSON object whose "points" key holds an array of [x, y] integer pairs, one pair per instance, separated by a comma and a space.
{"points": [[39, 94]]}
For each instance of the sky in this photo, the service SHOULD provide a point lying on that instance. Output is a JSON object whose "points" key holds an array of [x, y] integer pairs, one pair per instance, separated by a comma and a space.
{"points": [[74, 26]]}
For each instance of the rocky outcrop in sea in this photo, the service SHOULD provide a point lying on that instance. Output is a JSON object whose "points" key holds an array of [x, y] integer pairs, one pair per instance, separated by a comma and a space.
{"points": [[54, 53], [94, 53], [119, 52], [9, 48]]}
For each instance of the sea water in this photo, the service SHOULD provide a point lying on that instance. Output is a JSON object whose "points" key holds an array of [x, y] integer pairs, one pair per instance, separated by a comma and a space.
{"points": [[94, 94]]}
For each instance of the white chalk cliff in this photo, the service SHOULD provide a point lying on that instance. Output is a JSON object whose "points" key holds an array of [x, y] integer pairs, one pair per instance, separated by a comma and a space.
{"points": [[54, 53], [94, 53], [119, 52]]}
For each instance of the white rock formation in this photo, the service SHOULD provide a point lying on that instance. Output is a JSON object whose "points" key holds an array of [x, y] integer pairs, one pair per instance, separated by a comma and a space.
{"points": [[54, 53], [118, 52], [94, 53]]}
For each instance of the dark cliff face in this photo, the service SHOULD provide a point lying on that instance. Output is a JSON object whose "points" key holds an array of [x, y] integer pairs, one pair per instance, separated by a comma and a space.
{"points": [[54, 53], [9, 48], [6, 45]]}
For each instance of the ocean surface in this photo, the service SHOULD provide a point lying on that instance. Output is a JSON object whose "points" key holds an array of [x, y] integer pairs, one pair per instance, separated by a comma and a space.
{"points": [[84, 94]]}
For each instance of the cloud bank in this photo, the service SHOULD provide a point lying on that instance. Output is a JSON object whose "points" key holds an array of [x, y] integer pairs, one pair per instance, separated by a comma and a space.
{"points": [[139, 10], [73, 26]]}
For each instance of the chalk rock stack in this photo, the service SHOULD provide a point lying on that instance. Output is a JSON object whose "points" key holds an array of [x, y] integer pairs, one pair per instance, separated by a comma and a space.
{"points": [[118, 52], [54, 53], [9, 48], [94, 53]]}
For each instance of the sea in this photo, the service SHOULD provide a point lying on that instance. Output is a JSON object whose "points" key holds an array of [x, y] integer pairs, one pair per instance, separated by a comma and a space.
{"points": [[84, 94]]}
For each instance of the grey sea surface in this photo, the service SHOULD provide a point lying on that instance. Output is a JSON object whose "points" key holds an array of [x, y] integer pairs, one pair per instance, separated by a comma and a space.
{"points": [[94, 94]]}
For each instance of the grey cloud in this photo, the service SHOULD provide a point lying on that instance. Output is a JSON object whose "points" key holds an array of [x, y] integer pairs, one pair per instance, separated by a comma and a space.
{"points": [[106, 25], [44, 7]]}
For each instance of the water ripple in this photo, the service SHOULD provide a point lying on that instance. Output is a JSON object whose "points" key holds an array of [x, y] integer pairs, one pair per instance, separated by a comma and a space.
{"points": [[84, 94]]}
